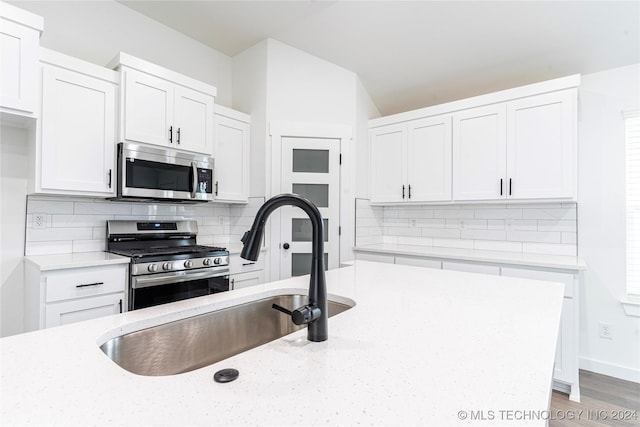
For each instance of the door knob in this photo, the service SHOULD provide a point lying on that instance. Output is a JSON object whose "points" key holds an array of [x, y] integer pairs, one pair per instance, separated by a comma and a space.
{"points": [[285, 246]]}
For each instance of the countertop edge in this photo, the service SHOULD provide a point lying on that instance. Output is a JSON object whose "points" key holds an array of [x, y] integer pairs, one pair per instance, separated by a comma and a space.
{"points": [[556, 262]]}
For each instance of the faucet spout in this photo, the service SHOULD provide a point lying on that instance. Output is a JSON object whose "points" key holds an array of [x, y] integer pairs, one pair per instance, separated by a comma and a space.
{"points": [[317, 329]]}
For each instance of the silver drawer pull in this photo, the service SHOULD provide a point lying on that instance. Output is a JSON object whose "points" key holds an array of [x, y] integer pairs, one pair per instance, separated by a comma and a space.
{"points": [[84, 285]]}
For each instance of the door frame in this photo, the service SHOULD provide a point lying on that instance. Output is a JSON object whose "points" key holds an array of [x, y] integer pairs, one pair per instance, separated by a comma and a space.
{"points": [[282, 128]]}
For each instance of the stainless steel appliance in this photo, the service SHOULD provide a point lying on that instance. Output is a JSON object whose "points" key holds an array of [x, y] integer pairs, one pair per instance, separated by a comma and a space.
{"points": [[166, 262], [147, 172]]}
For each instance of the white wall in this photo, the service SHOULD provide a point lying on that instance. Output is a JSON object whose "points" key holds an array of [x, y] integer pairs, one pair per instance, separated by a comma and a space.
{"points": [[365, 110], [96, 31], [13, 193], [601, 222]]}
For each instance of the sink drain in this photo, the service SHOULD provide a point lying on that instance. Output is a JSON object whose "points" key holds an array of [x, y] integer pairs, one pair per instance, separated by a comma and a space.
{"points": [[226, 375]]}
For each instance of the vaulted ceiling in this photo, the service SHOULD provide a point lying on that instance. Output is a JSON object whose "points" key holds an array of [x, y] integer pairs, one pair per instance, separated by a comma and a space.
{"points": [[418, 53]]}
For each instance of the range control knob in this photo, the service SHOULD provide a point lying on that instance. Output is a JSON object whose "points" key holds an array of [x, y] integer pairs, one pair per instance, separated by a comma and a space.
{"points": [[152, 268], [167, 266], [188, 263], [217, 261], [207, 261]]}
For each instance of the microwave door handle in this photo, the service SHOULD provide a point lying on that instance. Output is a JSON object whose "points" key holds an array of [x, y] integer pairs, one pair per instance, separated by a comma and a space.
{"points": [[194, 179]]}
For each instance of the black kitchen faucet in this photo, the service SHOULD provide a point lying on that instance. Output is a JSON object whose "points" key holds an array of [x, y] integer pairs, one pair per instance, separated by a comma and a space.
{"points": [[314, 314]]}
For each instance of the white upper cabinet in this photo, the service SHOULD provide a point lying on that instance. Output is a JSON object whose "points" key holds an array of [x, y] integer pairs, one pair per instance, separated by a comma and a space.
{"points": [[387, 144], [517, 144], [19, 41], [479, 148], [161, 107], [541, 146], [411, 162], [232, 145], [429, 160], [76, 140], [517, 150]]}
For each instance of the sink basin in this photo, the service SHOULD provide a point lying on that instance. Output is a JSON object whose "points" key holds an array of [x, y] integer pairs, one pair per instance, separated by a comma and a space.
{"points": [[194, 342]]}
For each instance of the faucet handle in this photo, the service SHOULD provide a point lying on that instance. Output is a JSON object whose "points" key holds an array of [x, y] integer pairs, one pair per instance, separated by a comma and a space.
{"points": [[303, 315], [245, 236]]}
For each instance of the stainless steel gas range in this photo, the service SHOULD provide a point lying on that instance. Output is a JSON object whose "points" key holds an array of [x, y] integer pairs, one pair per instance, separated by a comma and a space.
{"points": [[166, 262]]}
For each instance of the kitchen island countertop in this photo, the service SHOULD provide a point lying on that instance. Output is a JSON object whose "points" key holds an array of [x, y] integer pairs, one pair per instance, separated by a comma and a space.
{"points": [[420, 347]]}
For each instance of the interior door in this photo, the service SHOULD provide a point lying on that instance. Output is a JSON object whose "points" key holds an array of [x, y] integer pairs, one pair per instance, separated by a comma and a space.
{"points": [[310, 168]]}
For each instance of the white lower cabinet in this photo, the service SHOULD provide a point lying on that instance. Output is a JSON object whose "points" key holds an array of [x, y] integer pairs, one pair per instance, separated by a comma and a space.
{"points": [[63, 313], [566, 366], [244, 280], [60, 297], [244, 273]]}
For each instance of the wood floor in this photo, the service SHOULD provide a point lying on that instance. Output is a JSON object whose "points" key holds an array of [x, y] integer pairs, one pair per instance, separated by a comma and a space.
{"points": [[605, 401]]}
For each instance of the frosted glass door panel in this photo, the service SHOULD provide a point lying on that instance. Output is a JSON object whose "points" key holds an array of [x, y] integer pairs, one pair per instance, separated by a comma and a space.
{"points": [[310, 161], [310, 168], [317, 193], [301, 264], [301, 229]]}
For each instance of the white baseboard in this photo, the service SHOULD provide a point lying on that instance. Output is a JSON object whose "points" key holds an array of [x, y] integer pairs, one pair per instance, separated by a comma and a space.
{"points": [[610, 369]]}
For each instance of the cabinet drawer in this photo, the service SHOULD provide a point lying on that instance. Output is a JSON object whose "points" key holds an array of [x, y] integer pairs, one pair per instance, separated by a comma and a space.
{"points": [[549, 276], [244, 280], [241, 265], [84, 282], [66, 312]]}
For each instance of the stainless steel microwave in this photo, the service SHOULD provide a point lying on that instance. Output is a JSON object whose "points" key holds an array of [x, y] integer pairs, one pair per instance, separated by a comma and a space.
{"points": [[148, 172]]}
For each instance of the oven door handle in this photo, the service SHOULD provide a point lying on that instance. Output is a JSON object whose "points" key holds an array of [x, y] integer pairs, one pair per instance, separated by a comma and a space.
{"points": [[138, 282], [194, 179]]}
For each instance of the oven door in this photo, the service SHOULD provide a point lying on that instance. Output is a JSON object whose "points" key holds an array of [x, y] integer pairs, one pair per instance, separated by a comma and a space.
{"points": [[162, 288], [147, 172]]}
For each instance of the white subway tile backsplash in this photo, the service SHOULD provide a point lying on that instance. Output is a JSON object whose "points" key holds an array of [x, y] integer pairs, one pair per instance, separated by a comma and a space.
{"points": [[561, 225], [453, 243], [535, 236], [505, 213], [419, 241], [79, 220], [89, 245], [441, 232], [521, 227], [483, 234], [453, 213], [49, 248], [496, 245], [550, 214], [59, 234], [49, 206], [97, 208]]}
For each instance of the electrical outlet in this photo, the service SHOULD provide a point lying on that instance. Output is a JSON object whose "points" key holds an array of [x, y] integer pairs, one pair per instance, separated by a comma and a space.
{"points": [[39, 220], [412, 222], [605, 331]]}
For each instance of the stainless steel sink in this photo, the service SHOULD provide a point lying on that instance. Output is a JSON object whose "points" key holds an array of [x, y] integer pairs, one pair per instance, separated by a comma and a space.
{"points": [[198, 341]]}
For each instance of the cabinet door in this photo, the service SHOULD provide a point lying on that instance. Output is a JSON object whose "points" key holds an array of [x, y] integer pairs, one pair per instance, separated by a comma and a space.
{"points": [[148, 109], [388, 145], [479, 153], [63, 313], [18, 64], [78, 132], [429, 160], [541, 146], [244, 280], [232, 159], [193, 124]]}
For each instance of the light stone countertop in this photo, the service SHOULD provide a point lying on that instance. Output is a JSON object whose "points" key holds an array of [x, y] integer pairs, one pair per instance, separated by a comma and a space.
{"points": [[420, 346], [561, 262], [75, 260]]}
